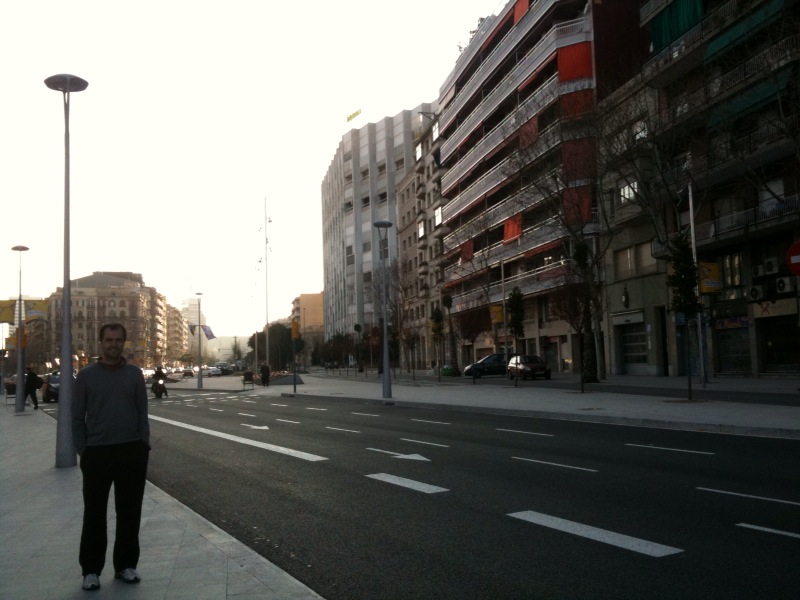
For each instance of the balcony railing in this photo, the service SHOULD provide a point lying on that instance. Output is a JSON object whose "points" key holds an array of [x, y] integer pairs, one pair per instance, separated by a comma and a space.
{"points": [[532, 282], [531, 239], [561, 35], [717, 89], [769, 210], [527, 198]]}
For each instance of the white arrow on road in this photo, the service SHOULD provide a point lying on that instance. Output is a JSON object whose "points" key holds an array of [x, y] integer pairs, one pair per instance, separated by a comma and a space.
{"points": [[255, 426], [398, 455]]}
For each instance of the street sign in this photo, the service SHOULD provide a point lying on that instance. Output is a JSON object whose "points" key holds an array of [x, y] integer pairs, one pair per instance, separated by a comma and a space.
{"points": [[793, 258]]}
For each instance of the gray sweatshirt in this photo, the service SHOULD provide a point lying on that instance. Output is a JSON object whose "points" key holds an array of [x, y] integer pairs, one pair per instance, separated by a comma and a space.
{"points": [[109, 406]]}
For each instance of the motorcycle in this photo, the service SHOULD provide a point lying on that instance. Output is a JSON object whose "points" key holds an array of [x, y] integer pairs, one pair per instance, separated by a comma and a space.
{"points": [[159, 389]]}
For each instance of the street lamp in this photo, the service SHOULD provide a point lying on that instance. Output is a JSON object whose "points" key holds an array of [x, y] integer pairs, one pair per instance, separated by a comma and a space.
{"points": [[383, 234], [65, 446], [20, 397], [199, 345]]}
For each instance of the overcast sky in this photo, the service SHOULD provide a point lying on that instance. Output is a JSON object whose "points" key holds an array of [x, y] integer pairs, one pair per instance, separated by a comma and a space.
{"points": [[197, 113]]}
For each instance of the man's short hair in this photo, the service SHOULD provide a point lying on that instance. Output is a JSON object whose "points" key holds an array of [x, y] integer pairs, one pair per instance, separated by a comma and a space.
{"points": [[114, 327]]}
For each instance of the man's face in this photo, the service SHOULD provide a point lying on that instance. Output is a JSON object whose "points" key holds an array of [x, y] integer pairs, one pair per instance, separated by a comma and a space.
{"points": [[112, 345]]}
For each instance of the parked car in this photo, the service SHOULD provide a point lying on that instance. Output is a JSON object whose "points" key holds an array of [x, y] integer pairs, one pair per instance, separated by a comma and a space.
{"points": [[494, 364], [527, 366], [187, 372], [211, 372], [225, 367], [52, 383]]}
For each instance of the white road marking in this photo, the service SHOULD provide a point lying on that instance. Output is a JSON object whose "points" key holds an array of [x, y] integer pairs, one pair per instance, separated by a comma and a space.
{"points": [[288, 421], [426, 443], [433, 422], [245, 415], [347, 430], [254, 426], [216, 409], [245, 441], [408, 483], [398, 455], [669, 449], [526, 432], [543, 462], [249, 401], [364, 414], [768, 530], [283, 405], [594, 533], [749, 496], [320, 409]]}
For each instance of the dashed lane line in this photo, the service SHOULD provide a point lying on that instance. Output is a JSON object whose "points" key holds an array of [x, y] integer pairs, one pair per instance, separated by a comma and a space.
{"points": [[418, 486], [595, 533], [704, 489], [769, 530], [648, 447], [552, 464], [240, 440]]}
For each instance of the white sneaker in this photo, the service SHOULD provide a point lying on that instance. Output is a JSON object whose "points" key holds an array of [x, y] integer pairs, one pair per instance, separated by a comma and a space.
{"points": [[128, 576], [91, 582]]}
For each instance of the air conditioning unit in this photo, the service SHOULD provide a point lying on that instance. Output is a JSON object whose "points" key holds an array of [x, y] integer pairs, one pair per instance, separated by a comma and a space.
{"points": [[757, 293], [770, 266], [757, 271], [785, 284]]}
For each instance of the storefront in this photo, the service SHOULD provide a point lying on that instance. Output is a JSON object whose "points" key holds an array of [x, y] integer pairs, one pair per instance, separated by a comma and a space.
{"points": [[778, 336], [732, 343]]}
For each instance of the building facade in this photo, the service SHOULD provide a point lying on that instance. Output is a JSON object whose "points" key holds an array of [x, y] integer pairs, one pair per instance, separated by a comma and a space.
{"points": [[520, 180], [713, 150], [308, 311], [358, 190]]}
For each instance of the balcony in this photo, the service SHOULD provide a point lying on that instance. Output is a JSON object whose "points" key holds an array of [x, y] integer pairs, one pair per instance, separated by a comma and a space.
{"points": [[533, 282], [419, 192], [422, 269], [531, 239], [546, 94], [527, 198], [547, 140], [742, 222], [422, 242], [562, 35], [763, 66]]}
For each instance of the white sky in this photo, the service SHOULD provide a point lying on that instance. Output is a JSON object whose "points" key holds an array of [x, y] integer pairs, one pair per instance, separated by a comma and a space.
{"points": [[196, 112]]}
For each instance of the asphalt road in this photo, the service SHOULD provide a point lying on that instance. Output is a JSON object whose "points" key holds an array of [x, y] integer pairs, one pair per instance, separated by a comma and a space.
{"points": [[371, 501]]}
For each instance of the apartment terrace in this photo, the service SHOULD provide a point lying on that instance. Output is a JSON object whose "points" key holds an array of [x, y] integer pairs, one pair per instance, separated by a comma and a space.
{"points": [[565, 34], [532, 282]]}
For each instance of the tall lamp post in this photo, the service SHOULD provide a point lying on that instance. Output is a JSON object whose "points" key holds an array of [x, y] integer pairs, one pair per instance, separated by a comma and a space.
{"points": [[383, 233], [20, 397], [65, 446], [199, 345]]}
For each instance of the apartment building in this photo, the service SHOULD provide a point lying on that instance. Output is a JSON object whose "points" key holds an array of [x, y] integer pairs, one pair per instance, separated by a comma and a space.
{"points": [[419, 231], [712, 146], [508, 118], [307, 310], [359, 189]]}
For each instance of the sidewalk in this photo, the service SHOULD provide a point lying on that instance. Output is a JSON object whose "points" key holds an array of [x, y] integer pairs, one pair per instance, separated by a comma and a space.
{"points": [[185, 556]]}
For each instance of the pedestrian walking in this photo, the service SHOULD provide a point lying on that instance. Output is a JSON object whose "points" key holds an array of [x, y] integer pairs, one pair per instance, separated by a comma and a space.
{"points": [[112, 436], [264, 374], [32, 383]]}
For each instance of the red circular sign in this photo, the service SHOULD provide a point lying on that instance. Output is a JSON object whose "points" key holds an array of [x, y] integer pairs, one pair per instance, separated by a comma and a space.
{"points": [[793, 258]]}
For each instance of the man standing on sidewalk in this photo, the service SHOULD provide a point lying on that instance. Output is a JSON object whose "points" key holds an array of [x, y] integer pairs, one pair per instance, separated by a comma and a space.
{"points": [[32, 383], [112, 436]]}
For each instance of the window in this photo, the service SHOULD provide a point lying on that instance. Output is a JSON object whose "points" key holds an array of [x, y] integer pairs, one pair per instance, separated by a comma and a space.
{"points": [[368, 277], [639, 130], [437, 217], [350, 258], [365, 202], [418, 151], [421, 229], [367, 246], [623, 263], [627, 192]]}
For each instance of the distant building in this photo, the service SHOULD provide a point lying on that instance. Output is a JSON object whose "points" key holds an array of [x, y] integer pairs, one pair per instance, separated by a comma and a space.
{"points": [[359, 189]]}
